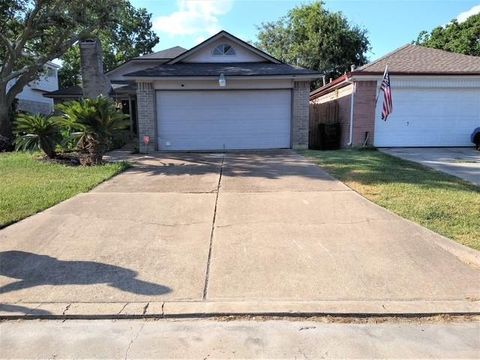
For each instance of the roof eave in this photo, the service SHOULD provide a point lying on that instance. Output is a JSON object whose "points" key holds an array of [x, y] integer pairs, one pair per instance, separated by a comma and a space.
{"points": [[305, 77]]}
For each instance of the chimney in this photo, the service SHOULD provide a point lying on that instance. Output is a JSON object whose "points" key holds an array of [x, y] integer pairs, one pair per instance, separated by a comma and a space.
{"points": [[94, 81]]}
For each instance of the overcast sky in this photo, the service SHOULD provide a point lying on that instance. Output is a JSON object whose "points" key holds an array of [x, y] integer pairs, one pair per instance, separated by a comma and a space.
{"points": [[390, 24]]}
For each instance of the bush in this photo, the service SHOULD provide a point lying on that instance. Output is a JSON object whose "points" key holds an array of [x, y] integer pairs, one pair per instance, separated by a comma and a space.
{"points": [[37, 132]]}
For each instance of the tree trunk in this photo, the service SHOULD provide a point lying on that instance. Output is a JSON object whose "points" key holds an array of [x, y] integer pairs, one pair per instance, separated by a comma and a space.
{"points": [[6, 136]]}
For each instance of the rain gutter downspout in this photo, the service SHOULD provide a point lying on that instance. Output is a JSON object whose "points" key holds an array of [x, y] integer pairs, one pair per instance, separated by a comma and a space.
{"points": [[352, 102]]}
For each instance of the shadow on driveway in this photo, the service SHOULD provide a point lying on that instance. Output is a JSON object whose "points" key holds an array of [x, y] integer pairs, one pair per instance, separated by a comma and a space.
{"points": [[37, 270]]}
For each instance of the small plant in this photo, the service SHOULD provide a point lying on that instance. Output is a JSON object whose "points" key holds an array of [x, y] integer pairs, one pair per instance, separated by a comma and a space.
{"points": [[37, 132], [94, 123]]}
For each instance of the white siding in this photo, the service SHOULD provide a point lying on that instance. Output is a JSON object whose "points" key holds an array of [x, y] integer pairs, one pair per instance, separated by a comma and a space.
{"points": [[217, 120], [432, 116]]}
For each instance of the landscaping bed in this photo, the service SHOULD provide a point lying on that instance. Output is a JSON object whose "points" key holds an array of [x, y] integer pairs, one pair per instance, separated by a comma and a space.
{"points": [[29, 183], [442, 203]]}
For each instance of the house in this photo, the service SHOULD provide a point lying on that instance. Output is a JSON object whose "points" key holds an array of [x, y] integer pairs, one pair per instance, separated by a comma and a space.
{"points": [[222, 94], [436, 100], [31, 98], [122, 90]]}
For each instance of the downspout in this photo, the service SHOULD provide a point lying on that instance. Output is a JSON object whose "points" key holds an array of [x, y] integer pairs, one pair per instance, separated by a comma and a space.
{"points": [[352, 102]]}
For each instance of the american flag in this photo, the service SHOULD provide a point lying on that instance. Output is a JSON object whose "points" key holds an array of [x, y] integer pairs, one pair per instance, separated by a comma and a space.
{"points": [[387, 96]]}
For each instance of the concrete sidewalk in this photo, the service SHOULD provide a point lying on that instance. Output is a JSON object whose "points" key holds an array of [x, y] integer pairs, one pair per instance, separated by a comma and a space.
{"points": [[238, 339], [264, 232], [463, 163]]}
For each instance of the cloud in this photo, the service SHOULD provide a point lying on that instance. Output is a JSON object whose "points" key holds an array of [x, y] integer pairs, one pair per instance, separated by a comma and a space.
{"points": [[466, 14], [194, 17]]}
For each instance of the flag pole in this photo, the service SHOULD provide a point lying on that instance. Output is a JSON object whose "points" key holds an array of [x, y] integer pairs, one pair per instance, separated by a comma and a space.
{"points": [[383, 77]]}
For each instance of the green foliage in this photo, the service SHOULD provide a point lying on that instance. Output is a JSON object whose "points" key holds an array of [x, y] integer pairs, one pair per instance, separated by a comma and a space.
{"points": [[33, 32], [313, 37], [463, 38], [37, 132], [94, 122], [130, 36]]}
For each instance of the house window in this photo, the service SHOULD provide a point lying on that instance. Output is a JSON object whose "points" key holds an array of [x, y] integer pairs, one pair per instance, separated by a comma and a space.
{"points": [[223, 49]]}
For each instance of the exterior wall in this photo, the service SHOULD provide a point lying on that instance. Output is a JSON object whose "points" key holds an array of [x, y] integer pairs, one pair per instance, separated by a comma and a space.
{"points": [[94, 81], [231, 84], [31, 98], [300, 114], [146, 116], [364, 112], [241, 54], [343, 96]]}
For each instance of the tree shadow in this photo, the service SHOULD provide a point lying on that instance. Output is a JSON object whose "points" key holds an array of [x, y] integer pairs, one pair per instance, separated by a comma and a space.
{"points": [[37, 270]]}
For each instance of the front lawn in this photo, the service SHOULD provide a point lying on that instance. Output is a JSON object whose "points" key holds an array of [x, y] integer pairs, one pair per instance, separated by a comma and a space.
{"points": [[28, 185], [435, 200]]}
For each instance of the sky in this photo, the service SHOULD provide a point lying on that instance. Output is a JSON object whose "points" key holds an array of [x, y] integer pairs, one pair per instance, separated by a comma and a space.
{"points": [[390, 23]]}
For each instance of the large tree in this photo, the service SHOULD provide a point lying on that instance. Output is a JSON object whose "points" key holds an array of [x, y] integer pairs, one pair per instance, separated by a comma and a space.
{"points": [[131, 36], [313, 37], [460, 37], [33, 32]]}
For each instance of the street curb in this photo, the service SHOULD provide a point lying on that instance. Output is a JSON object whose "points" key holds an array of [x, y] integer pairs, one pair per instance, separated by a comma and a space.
{"points": [[203, 309]]}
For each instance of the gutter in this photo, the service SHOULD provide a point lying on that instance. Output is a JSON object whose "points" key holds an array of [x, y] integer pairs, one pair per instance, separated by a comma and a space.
{"points": [[352, 103]]}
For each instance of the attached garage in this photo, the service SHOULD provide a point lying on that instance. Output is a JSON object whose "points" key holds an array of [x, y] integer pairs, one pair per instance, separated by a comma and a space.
{"points": [[224, 119], [429, 117]]}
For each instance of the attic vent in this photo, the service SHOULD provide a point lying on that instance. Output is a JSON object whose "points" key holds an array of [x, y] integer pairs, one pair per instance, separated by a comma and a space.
{"points": [[223, 49]]}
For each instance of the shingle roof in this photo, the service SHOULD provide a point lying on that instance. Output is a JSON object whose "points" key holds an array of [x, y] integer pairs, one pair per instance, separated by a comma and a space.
{"points": [[169, 53], [228, 69], [413, 59], [75, 90]]}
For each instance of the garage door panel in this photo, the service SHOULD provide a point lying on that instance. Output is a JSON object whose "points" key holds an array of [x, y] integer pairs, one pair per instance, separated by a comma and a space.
{"points": [[215, 120], [429, 117]]}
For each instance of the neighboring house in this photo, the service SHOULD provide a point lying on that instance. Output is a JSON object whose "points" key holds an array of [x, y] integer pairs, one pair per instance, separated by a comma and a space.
{"points": [[31, 98], [436, 99], [221, 94]]}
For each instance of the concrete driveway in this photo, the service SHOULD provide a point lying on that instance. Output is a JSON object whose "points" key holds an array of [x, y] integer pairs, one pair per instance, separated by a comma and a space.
{"points": [[235, 233], [460, 162]]}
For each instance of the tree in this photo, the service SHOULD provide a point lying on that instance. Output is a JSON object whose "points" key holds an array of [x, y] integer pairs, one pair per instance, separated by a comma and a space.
{"points": [[33, 32], [130, 37], [463, 38], [313, 37]]}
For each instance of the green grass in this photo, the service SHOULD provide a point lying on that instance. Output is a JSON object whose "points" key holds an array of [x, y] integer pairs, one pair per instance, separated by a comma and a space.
{"points": [[29, 185], [442, 203]]}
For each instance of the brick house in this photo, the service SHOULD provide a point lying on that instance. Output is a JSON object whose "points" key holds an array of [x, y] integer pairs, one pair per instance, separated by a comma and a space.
{"points": [[223, 94], [436, 100]]}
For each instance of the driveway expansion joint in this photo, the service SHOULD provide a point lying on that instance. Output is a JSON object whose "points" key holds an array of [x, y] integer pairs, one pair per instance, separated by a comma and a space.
{"points": [[209, 258]]}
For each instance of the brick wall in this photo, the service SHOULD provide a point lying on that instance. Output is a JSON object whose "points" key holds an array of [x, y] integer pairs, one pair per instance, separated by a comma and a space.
{"points": [[300, 109], [147, 124], [364, 112], [94, 81]]}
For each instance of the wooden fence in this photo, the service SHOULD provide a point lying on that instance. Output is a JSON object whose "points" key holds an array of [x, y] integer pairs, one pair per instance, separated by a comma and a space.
{"points": [[325, 113]]}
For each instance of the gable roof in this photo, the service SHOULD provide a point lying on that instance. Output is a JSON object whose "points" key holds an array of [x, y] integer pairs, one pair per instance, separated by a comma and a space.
{"points": [[228, 69], [229, 36], [415, 59], [169, 53]]}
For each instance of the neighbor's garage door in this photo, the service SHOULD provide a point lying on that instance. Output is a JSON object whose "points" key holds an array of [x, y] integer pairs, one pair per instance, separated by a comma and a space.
{"points": [[429, 117], [217, 120]]}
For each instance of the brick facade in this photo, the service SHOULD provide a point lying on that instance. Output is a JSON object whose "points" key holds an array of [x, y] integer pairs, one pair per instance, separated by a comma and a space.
{"points": [[364, 112], [300, 113], [147, 122], [94, 81]]}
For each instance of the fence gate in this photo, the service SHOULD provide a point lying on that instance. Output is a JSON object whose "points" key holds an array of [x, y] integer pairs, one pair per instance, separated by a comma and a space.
{"points": [[325, 113]]}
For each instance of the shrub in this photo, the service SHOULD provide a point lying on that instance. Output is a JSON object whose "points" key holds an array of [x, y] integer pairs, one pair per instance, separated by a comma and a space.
{"points": [[94, 123], [37, 132]]}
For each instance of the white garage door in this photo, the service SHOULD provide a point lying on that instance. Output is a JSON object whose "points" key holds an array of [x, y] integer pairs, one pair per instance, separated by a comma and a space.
{"points": [[217, 120], [429, 117]]}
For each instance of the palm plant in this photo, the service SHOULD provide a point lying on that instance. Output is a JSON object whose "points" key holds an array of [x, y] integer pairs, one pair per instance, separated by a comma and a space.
{"points": [[37, 132], [94, 122]]}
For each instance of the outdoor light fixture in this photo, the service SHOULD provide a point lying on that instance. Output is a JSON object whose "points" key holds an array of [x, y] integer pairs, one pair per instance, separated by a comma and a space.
{"points": [[221, 80]]}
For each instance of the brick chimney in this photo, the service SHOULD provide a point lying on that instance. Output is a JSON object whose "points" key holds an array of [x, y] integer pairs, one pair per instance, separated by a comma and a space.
{"points": [[94, 81]]}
